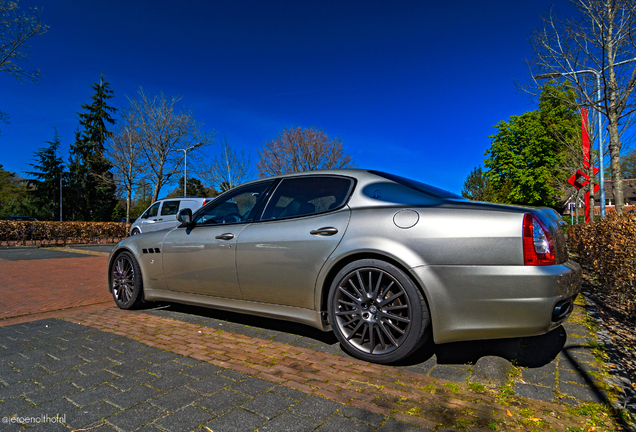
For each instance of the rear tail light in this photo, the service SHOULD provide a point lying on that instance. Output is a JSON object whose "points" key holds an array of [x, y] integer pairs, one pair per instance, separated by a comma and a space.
{"points": [[204, 202], [538, 248]]}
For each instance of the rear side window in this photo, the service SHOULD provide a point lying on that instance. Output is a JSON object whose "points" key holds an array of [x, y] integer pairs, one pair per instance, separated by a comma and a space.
{"points": [[306, 196], [418, 186], [169, 208]]}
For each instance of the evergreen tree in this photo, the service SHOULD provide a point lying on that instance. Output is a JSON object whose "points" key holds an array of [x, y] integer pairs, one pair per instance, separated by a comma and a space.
{"points": [[91, 182], [531, 155], [45, 187]]}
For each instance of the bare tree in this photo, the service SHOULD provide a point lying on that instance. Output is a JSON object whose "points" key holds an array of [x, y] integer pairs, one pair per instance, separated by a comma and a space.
{"points": [[15, 30], [297, 149], [595, 52], [123, 150], [162, 130], [228, 169]]}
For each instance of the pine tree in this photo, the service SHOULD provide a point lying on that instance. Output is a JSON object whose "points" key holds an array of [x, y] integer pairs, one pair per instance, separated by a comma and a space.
{"points": [[45, 187], [91, 182]]}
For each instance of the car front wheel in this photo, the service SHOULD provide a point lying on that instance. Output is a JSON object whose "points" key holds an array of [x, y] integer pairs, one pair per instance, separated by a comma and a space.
{"points": [[377, 313], [125, 281]]}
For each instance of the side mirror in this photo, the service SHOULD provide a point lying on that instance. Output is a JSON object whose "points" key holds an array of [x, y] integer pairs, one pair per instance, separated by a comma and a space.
{"points": [[185, 216]]}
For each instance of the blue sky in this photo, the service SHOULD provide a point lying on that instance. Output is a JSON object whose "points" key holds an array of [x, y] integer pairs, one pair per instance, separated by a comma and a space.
{"points": [[412, 87]]}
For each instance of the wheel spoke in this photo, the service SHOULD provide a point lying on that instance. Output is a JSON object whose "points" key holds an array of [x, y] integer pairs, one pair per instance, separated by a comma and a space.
{"points": [[361, 297], [397, 318], [390, 299], [388, 334], [355, 330]]}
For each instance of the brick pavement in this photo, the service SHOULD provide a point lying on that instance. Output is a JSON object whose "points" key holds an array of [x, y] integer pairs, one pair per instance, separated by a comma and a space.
{"points": [[354, 395], [33, 289]]}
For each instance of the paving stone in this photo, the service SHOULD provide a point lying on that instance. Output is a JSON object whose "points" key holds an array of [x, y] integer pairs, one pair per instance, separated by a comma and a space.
{"points": [[201, 370], [581, 392], [96, 366], [136, 417], [94, 379], [166, 368], [24, 375], [48, 427], [184, 420], [534, 392], [55, 378], [541, 376], [222, 401], [133, 396], [90, 396], [252, 386], [50, 393], [162, 357], [237, 420], [392, 425], [339, 423], [14, 405], [567, 376], [129, 367], [450, 373], [131, 355], [289, 422], [51, 409], [171, 382], [18, 389], [134, 380], [210, 384], [290, 393], [316, 408], [362, 415], [233, 375], [268, 405], [90, 415], [176, 399]]}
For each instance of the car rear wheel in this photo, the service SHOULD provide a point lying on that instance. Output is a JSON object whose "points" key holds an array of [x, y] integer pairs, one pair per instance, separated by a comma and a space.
{"points": [[126, 283], [135, 232], [377, 313]]}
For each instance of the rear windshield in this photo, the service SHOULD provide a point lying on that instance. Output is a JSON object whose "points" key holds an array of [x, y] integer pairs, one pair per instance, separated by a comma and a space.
{"points": [[418, 186]]}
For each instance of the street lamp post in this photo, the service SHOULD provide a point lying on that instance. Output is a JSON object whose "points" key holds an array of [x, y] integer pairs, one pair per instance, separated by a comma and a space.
{"points": [[185, 167], [600, 129]]}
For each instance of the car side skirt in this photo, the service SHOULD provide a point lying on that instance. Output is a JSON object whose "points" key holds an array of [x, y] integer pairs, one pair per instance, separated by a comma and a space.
{"points": [[267, 310], [492, 302]]}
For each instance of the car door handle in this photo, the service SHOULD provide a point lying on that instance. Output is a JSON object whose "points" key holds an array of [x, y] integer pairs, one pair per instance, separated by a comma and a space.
{"points": [[159, 219], [226, 236], [325, 231]]}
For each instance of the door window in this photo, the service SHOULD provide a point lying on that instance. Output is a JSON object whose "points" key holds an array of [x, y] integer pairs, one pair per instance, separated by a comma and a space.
{"points": [[304, 196], [153, 210], [235, 207], [169, 208]]}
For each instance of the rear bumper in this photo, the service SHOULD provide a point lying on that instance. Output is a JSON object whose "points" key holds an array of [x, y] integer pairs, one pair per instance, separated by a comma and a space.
{"points": [[490, 302]]}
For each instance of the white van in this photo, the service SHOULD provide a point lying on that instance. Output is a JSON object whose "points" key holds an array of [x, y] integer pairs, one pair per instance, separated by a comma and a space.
{"points": [[163, 214]]}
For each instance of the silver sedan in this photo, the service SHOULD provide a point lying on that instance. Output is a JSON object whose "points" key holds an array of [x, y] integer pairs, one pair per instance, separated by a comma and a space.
{"points": [[384, 261]]}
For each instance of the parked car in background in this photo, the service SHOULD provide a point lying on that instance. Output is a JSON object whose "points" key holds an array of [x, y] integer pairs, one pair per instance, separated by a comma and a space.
{"points": [[384, 261], [20, 218], [163, 214]]}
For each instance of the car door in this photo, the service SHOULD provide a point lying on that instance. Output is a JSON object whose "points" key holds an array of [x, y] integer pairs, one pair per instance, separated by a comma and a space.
{"points": [[201, 259], [167, 217], [149, 218], [279, 258]]}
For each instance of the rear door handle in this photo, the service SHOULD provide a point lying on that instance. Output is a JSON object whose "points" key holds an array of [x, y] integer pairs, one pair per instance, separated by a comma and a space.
{"points": [[325, 231], [226, 236]]}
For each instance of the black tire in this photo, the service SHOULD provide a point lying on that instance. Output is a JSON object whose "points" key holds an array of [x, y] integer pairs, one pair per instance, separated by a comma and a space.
{"points": [[376, 311], [125, 281], [135, 232]]}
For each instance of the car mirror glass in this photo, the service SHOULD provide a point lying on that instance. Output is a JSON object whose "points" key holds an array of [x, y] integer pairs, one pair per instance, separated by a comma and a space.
{"points": [[185, 216]]}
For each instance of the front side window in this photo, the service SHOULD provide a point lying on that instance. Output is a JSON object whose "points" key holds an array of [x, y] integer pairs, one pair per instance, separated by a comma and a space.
{"points": [[169, 208], [305, 196], [153, 210], [235, 207]]}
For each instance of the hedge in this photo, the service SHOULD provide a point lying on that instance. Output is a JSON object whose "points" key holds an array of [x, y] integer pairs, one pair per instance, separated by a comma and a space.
{"points": [[608, 248], [60, 233]]}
